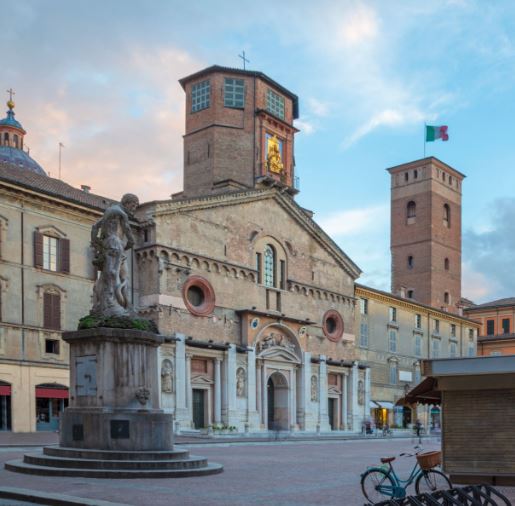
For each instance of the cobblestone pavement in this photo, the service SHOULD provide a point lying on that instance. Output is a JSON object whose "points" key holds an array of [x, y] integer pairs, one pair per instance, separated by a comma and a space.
{"points": [[284, 473]]}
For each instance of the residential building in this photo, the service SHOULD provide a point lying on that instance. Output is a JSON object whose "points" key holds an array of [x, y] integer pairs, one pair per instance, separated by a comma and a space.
{"points": [[496, 319], [395, 334]]}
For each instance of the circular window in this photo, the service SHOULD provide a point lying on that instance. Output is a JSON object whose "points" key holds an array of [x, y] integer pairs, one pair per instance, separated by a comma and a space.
{"points": [[198, 295], [332, 325]]}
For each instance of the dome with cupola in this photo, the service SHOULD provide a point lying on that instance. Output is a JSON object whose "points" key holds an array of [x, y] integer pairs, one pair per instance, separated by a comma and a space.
{"points": [[12, 151]]}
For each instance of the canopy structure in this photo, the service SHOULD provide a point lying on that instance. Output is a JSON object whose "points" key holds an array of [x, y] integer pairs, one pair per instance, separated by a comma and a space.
{"points": [[424, 393]]}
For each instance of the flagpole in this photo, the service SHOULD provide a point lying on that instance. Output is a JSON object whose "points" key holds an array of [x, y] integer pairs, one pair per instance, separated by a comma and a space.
{"points": [[425, 139]]}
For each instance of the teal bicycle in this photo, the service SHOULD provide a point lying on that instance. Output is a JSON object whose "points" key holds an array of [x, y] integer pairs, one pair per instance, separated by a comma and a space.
{"points": [[381, 483]]}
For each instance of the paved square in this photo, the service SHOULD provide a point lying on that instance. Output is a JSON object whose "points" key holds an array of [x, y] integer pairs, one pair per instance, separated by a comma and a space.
{"points": [[301, 474]]}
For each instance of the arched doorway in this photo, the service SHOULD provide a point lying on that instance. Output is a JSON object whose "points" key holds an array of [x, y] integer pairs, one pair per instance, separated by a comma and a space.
{"points": [[277, 402]]}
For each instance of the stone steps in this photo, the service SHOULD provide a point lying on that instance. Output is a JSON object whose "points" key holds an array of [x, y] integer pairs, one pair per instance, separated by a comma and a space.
{"points": [[39, 459], [79, 453], [20, 466]]}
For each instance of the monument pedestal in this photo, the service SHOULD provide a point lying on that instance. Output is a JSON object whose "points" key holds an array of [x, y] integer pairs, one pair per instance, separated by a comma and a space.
{"points": [[114, 427], [115, 396]]}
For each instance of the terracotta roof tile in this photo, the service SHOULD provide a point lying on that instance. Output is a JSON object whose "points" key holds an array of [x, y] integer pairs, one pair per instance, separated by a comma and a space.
{"points": [[54, 187]]}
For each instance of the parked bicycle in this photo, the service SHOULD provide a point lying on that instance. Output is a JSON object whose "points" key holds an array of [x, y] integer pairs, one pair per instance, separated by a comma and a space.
{"points": [[380, 483]]}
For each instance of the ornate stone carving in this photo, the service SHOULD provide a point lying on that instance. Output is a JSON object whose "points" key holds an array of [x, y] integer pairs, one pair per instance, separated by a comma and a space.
{"points": [[361, 392], [111, 236], [240, 382], [166, 377], [143, 395], [314, 388], [275, 339]]}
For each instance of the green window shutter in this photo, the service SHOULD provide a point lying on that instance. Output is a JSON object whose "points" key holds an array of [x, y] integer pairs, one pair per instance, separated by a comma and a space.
{"points": [[64, 255], [38, 249]]}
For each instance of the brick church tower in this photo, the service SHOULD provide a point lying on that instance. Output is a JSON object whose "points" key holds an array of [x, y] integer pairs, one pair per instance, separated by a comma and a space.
{"points": [[239, 132], [426, 232]]}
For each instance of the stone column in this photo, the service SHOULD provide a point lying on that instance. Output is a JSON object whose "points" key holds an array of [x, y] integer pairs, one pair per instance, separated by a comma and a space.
{"points": [[252, 414], [258, 391], [264, 398], [368, 391], [354, 412], [293, 400], [323, 418], [229, 413], [189, 393], [218, 392], [181, 410], [306, 418], [345, 399]]}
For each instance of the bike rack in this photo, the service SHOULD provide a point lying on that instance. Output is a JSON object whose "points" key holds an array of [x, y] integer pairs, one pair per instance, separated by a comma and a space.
{"points": [[471, 495]]}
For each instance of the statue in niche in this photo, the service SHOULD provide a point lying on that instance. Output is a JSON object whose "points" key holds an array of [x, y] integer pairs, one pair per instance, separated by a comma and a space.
{"points": [[111, 236], [166, 377], [240, 382], [314, 388], [361, 393]]}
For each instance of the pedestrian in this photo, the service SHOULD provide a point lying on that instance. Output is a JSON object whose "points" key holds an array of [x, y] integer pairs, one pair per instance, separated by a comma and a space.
{"points": [[418, 430]]}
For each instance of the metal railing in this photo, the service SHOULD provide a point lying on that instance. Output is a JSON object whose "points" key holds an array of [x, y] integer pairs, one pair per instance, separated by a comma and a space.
{"points": [[471, 495]]}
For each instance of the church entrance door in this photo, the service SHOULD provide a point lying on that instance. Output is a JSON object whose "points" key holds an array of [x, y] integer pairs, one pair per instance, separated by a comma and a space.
{"points": [[277, 402], [331, 411], [198, 408]]}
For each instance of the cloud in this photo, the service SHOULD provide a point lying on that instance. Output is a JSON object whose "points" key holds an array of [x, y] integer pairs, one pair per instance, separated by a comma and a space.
{"points": [[488, 252], [317, 107], [388, 117], [355, 221], [305, 126], [122, 124]]}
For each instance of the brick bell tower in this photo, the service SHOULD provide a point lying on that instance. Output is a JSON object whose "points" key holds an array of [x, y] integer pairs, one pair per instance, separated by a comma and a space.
{"points": [[239, 132], [426, 232]]}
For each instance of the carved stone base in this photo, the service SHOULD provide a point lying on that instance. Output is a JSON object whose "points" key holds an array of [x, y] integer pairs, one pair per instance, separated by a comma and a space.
{"points": [[116, 430]]}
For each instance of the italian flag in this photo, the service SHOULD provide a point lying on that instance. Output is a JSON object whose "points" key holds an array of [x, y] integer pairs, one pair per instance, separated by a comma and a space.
{"points": [[436, 132]]}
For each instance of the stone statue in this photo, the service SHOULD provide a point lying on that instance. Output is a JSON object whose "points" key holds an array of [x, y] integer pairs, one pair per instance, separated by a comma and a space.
{"points": [[166, 377], [240, 382], [314, 388], [111, 236]]}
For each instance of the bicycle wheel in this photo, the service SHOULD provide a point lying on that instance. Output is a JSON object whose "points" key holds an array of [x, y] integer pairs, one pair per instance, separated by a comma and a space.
{"points": [[432, 480], [376, 485]]}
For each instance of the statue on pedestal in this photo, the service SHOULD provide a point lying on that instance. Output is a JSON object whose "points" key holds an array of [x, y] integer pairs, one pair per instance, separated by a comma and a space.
{"points": [[111, 236]]}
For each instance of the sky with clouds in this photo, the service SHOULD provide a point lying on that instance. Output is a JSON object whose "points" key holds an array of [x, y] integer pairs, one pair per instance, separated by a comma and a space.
{"points": [[101, 77]]}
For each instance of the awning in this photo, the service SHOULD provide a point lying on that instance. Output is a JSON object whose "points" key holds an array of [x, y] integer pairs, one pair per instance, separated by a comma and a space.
{"points": [[424, 393], [382, 404], [52, 393]]}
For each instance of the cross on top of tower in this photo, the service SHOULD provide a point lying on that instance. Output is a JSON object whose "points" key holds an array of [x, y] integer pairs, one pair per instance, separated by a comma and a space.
{"points": [[10, 102], [245, 60]]}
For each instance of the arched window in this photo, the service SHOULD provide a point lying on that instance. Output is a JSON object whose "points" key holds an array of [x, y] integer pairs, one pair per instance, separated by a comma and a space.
{"points": [[269, 270], [446, 215], [410, 262], [446, 297], [6, 139], [411, 209], [446, 264], [16, 145], [410, 294]]}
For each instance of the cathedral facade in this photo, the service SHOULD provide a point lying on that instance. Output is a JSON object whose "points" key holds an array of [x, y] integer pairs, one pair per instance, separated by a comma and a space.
{"points": [[257, 300]]}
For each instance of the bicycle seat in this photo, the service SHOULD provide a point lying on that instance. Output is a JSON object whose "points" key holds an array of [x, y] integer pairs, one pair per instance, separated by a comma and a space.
{"points": [[386, 460]]}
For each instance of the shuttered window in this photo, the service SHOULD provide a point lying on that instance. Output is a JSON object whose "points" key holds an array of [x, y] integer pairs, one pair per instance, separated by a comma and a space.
{"points": [[51, 253], [52, 311]]}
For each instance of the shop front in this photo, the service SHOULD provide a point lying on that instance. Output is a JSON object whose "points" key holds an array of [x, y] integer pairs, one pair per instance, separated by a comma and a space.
{"points": [[382, 413], [5, 406], [51, 399]]}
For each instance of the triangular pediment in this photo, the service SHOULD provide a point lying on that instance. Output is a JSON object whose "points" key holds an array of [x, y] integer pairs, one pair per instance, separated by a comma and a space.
{"points": [[201, 380], [279, 353], [275, 197]]}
